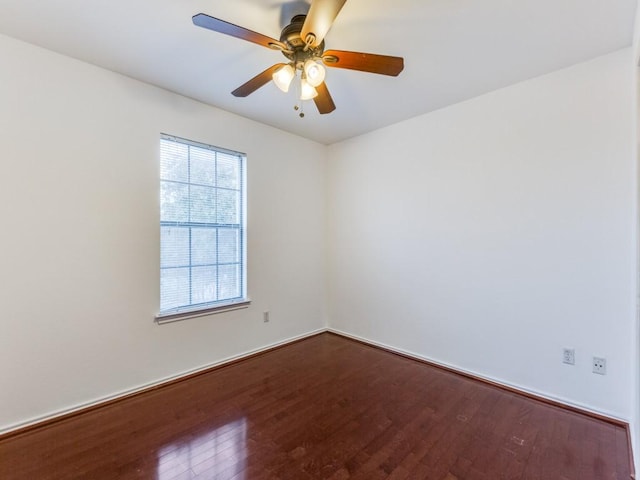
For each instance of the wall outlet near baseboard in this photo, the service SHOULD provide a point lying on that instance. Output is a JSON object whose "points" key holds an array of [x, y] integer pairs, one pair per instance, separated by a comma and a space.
{"points": [[265, 317], [569, 356], [600, 365]]}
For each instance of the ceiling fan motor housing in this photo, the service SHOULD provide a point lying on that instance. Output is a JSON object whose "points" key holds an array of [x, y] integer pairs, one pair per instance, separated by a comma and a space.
{"points": [[298, 50]]}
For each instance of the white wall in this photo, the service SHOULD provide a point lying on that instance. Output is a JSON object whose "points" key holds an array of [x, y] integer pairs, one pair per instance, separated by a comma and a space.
{"points": [[79, 251], [493, 233], [636, 417], [635, 422]]}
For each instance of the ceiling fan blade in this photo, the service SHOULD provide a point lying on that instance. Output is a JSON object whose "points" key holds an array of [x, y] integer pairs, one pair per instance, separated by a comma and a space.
{"points": [[323, 100], [256, 82], [217, 25], [321, 15], [364, 62]]}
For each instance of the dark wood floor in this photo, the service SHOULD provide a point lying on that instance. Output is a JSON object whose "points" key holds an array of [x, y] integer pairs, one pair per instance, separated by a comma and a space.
{"points": [[323, 408]]}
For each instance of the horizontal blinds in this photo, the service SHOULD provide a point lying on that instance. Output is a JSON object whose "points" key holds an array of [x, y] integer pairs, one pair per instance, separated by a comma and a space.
{"points": [[201, 226]]}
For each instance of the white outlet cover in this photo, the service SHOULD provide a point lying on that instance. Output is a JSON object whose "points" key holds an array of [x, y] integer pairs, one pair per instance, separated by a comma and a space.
{"points": [[569, 356], [600, 365]]}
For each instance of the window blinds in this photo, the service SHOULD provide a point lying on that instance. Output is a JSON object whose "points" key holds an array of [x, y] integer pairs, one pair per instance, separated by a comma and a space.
{"points": [[202, 229]]}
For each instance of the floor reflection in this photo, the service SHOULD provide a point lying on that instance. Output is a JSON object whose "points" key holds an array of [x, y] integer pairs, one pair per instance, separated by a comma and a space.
{"points": [[220, 453]]}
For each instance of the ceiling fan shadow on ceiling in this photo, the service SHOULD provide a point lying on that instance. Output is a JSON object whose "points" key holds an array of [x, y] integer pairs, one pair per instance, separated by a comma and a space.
{"points": [[302, 43]]}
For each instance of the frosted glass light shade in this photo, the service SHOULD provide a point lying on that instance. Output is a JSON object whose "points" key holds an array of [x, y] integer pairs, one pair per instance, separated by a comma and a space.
{"points": [[307, 92], [315, 72], [283, 76]]}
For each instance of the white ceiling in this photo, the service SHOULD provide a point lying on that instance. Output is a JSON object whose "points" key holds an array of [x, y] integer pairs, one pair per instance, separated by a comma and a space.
{"points": [[453, 50]]}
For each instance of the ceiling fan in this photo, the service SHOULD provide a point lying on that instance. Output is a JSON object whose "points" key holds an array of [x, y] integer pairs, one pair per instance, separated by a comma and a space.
{"points": [[302, 43]]}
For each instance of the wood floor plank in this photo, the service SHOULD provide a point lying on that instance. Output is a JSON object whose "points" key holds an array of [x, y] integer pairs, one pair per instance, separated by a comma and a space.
{"points": [[323, 408]]}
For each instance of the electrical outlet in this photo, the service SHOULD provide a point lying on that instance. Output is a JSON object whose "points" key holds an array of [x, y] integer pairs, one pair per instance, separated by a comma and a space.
{"points": [[265, 317], [569, 356], [600, 365]]}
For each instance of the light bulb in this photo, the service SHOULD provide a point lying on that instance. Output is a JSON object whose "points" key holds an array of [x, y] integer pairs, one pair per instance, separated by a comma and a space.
{"points": [[315, 72], [283, 76], [307, 92]]}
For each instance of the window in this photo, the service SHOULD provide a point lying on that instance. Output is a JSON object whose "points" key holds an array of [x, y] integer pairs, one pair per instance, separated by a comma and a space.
{"points": [[202, 229]]}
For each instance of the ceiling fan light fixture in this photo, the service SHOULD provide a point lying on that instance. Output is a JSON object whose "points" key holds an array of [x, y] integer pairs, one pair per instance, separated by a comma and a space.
{"points": [[315, 72], [307, 92], [283, 77]]}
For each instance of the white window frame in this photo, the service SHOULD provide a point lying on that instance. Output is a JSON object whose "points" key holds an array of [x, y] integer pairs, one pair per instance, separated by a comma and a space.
{"points": [[207, 308]]}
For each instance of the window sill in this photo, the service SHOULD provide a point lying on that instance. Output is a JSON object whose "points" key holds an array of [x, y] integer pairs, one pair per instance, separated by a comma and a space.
{"points": [[163, 318]]}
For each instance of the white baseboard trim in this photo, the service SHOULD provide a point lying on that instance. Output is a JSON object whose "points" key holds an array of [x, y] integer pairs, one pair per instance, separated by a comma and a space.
{"points": [[497, 381], [156, 383]]}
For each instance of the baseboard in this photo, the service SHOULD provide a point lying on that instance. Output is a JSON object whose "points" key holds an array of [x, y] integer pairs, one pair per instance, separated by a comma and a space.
{"points": [[67, 413]]}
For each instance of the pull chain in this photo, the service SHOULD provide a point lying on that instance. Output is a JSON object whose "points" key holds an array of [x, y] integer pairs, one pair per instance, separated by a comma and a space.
{"points": [[298, 107]]}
